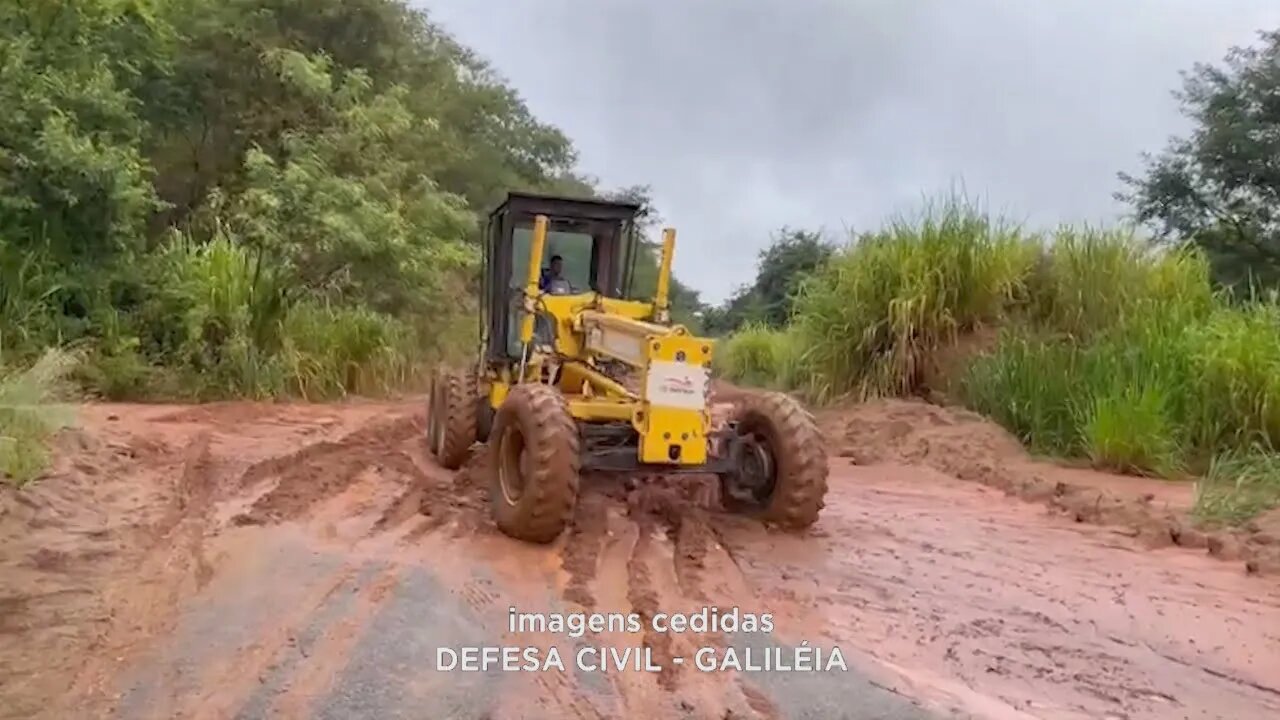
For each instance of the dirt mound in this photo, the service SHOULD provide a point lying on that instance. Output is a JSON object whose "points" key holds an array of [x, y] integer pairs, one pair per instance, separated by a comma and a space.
{"points": [[74, 557], [912, 432], [967, 446], [460, 499]]}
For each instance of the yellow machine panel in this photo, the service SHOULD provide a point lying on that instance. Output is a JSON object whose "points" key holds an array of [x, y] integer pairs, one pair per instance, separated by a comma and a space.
{"points": [[673, 420]]}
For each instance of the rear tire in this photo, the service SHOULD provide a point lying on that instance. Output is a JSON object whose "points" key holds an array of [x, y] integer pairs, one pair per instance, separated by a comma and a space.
{"points": [[451, 418], [535, 464], [786, 454]]}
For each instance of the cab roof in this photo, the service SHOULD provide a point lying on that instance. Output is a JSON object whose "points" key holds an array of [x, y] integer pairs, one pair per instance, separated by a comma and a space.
{"points": [[559, 206]]}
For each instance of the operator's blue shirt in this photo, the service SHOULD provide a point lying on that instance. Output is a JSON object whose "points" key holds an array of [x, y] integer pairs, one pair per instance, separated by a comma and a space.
{"points": [[544, 282]]}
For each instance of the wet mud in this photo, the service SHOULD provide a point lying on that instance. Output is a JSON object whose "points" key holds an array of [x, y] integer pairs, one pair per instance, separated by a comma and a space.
{"points": [[246, 560]]}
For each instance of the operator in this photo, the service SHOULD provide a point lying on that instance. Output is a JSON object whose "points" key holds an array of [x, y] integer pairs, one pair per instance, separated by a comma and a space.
{"points": [[552, 280]]}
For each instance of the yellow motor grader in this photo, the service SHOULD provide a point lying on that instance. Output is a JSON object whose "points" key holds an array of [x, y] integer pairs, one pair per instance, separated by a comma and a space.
{"points": [[575, 376]]}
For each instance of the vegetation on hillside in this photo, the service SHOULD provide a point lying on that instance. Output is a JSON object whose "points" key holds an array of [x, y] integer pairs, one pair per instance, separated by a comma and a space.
{"points": [[252, 197], [255, 198], [1106, 348], [1157, 356]]}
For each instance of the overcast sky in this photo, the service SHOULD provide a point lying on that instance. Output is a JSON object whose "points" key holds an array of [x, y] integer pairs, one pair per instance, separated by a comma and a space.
{"points": [[747, 115]]}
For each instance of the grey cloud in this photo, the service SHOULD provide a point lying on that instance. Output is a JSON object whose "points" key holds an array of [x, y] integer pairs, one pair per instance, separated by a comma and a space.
{"points": [[745, 116]]}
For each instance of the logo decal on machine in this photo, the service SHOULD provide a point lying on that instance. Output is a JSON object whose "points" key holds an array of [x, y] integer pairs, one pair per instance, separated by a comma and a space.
{"points": [[677, 385]]}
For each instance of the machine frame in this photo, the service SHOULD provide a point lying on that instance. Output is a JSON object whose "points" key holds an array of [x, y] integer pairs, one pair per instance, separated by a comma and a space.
{"points": [[604, 382]]}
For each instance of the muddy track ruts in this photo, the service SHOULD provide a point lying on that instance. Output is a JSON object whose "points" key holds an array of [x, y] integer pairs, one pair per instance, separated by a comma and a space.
{"points": [[581, 555], [324, 469], [459, 498]]}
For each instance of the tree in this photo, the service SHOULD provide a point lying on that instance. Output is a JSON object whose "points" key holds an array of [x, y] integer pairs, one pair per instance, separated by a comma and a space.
{"points": [[792, 256], [245, 191], [1219, 187]]}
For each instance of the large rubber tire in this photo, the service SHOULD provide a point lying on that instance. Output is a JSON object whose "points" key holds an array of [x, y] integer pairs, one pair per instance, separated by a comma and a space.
{"points": [[787, 431], [451, 418], [534, 464]]}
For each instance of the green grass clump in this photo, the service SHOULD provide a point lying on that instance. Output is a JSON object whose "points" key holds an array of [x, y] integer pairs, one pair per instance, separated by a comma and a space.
{"points": [[1129, 429], [30, 414], [331, 352], [1239, 485], [1027, 386], [870, 320], [759, 356]]}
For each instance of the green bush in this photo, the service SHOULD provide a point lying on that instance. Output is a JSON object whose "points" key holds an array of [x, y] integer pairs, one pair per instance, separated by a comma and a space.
{"points": [[30, 414], [330, 352], [755, 355], [1240, 484]]}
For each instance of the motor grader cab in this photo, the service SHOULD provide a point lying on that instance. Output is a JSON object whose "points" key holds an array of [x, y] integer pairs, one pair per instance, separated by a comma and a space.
{"points": [[586, 376]]}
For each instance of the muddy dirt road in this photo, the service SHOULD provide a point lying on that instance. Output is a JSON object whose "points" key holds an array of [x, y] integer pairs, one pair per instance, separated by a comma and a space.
{"points": [[255, 561]]}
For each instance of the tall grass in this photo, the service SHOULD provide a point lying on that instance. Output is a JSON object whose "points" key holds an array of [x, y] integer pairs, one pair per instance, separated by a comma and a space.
{"points": [[331, 352], [1239, 484], [871, 319], [27, 299], [30, 413], [1156, 393], [1090, 280], [1110, 349]]}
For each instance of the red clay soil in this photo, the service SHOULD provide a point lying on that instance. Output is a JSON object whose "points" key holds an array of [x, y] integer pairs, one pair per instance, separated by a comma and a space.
{"points": [[183, 562], [966, 446]]}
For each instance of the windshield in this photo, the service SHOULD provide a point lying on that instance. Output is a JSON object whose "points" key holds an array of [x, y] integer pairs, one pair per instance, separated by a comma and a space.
{"points": [[574, 249]]}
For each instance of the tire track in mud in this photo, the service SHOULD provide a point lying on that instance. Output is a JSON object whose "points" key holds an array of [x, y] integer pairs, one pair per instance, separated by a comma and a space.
{"points": [[322, 470], [166, 562], [458, 499], [647, 546], [587, 537]]}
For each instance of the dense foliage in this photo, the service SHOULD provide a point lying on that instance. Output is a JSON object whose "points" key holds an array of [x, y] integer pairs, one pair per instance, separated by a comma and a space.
{"points": [[251, 197], [1083, 343]]}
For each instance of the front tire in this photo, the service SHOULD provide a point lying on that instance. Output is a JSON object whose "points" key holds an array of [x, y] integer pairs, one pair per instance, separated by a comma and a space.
{"points": [[535, 464], [451, 418], [782, 478]]}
